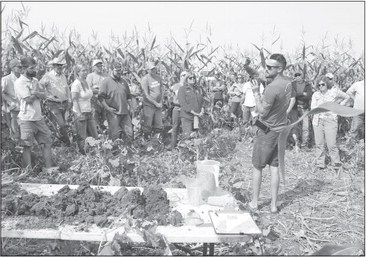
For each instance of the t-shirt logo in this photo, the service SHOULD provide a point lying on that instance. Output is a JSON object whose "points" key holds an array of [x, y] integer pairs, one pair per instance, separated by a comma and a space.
{"points": [[155, 84]]}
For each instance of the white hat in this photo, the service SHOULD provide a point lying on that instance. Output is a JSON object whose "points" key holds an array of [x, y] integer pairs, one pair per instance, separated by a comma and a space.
{"points": [[329, 75], [150, 65], [97, 61], [58, 60]]}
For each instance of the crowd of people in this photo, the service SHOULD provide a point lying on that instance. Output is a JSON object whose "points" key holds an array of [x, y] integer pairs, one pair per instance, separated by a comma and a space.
{"points": [[107, 101]]}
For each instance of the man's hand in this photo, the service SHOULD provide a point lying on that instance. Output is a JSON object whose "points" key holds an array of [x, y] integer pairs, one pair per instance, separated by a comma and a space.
{"points": [[111, 110], [159, 105]]}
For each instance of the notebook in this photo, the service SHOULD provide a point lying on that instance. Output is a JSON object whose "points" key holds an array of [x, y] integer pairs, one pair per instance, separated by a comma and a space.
{"points": [[233, 223]]}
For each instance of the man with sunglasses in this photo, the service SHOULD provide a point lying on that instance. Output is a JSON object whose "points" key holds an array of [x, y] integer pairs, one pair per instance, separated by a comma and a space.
{"points": [[10, 103], [272, 107], [58, 96], [115, 96], [31, 122], [153, 91], [176, 122]]}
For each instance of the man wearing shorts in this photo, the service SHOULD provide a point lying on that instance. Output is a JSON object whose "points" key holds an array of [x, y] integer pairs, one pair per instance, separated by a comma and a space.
{"points": [[152, 89], [272, 107], [31, 121]]}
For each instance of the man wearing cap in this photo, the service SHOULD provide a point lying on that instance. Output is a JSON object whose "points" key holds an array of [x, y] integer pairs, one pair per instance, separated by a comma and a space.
{"points": [[10, 105], [31, 122], [331, 80], [176, 122], [94, 81], [152, 102], [303, 91], [235, 92], [58, 96], [115, 96], [272, 109]]}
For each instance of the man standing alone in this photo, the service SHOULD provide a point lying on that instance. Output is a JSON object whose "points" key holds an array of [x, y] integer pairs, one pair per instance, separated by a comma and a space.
{"points": [[272, 114]]}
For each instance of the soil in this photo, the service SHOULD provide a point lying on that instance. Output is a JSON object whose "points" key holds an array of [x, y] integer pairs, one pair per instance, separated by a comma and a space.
{"points": [[87, 205], [318, 208]]}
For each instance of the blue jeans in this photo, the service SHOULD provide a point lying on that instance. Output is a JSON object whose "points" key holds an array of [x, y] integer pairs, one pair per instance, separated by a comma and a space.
{"points": [[119, 124]]}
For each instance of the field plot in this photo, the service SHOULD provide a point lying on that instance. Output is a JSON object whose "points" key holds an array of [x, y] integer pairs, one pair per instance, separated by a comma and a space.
{"points": [[314, 205]]}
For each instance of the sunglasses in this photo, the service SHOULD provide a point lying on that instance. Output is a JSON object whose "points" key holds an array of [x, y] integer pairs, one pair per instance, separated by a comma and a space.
{"points": [[321, 84], [330, 79], [297, 75], [271, 67], [192, 78]]}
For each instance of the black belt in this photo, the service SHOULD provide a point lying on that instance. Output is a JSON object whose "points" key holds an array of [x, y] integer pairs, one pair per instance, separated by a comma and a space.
{"points": [[58, 102]]}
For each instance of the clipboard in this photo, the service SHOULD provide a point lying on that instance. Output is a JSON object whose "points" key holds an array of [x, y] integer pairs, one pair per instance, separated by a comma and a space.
{"points": [[233, 223]]}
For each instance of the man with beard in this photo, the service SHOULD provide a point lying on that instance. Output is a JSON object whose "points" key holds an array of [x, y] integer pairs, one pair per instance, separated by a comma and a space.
{"points": [[31, 122], [10, 105], [272, 109], [115, 96], [58, 96]]}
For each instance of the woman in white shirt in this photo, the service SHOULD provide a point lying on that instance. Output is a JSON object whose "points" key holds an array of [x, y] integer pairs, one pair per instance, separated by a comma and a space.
{"points": [[325, 124], [81, 95]]}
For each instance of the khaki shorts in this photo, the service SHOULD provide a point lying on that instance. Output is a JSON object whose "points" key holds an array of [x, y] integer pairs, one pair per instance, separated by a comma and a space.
{"points": [[34, 130], [265, 149]]}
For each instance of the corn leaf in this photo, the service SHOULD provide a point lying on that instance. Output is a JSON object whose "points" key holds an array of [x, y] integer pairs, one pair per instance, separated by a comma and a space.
{"points": [[133, 57], [120, 52], [108, 52], [17, 46], [33, 34], [256, 46], [49, 42], [213, 51], [178, 45], [276, 40], [19, 34], [153, 43]]}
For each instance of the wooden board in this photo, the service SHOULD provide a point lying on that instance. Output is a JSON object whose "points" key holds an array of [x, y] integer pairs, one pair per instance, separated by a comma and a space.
{"points": [[204, 233]]}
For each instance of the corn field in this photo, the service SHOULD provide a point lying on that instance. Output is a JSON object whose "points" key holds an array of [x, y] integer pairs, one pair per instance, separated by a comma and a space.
{"points": [[204, 58]]}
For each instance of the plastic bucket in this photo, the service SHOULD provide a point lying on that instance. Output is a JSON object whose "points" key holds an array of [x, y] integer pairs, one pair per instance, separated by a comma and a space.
{"points": [[211, 166]]}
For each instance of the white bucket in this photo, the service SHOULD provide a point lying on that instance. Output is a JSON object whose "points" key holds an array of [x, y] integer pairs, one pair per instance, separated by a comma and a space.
{"points": [[211, 166]]}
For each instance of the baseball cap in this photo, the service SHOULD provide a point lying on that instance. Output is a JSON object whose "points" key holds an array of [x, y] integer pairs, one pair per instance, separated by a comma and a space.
{"points": [[58, 60], [329, 75], [116, 65], [14, 63], [97, 61], [184, 73], [150, 65]]}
